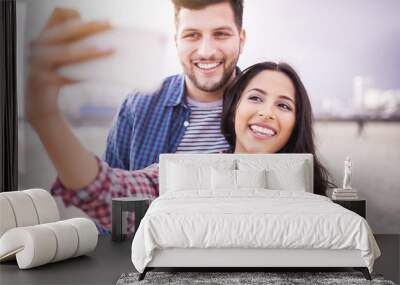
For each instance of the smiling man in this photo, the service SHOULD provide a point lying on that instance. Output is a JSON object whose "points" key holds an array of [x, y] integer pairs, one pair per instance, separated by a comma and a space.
{"points": [[186, 110], [208, 49]]}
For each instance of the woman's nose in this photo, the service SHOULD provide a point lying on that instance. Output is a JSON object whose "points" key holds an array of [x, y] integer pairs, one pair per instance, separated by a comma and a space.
{"points": [[267, 113]]}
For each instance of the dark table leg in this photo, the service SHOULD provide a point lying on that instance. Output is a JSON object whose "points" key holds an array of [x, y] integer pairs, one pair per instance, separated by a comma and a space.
{"points": [[116, 221], [120, 209]]}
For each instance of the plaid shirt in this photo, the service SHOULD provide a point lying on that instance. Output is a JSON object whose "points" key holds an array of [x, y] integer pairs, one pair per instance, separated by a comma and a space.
{"points": [[148, 125], [95, 199]]}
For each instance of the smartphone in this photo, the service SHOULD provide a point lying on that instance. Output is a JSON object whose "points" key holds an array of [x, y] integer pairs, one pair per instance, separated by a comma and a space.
{"points": [[138, 62]]}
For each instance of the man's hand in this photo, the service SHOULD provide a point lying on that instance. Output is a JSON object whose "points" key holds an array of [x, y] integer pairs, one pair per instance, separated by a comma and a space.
{"points": [[54, 48]]}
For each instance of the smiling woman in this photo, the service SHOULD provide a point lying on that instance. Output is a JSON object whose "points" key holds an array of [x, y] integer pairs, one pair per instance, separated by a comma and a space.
{"points": [[267, 110]]}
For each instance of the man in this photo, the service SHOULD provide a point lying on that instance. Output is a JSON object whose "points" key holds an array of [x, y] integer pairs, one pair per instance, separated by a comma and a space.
{"points": [[209, 40], [164, 123]]}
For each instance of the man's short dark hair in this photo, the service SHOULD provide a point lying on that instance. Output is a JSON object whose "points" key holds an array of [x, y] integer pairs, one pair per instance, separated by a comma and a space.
{"points": [[237, 7]]}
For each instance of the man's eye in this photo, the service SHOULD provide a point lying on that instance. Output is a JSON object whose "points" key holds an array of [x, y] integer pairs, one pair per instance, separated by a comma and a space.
{"points": [[190, 36], [221, 34]]}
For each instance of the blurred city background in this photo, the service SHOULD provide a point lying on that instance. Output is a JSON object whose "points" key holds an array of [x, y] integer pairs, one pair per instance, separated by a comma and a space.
{"points": [[347, 54]]}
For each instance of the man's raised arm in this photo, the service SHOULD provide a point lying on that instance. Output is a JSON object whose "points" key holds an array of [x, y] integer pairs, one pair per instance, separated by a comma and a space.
{"points": [[54, 48]]}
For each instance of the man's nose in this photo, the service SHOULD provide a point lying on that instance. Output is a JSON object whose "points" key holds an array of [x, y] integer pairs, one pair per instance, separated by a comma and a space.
{"points": [[206, 48]]}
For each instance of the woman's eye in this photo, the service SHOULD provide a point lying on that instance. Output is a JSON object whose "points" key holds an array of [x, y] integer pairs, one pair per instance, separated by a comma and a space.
{"points": [[255, 98], [285, 107]]}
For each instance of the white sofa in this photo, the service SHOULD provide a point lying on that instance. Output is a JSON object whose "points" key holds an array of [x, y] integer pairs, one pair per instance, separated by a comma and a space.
{"points": [[31, 231]]}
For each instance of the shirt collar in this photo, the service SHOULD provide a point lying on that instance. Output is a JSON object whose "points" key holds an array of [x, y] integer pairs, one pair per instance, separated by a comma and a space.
{"points": [[177, 94]]}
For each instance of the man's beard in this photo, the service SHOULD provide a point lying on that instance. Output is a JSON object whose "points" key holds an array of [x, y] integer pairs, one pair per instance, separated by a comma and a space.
{"points": [[211, 86]]}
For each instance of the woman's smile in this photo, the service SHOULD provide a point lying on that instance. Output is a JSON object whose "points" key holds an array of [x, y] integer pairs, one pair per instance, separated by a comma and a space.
{"points": [[262, 131]]}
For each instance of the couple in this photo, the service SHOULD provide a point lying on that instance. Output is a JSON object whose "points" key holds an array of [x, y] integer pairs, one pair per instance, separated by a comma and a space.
{"points": [[265, 108]]}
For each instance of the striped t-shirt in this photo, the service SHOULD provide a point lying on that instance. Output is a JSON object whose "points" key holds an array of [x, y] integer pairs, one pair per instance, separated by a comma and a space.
{"points": [[203, 130]]}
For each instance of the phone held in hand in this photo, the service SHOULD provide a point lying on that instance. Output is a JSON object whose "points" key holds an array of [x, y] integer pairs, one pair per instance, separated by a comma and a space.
{"points": [[138, 61]]}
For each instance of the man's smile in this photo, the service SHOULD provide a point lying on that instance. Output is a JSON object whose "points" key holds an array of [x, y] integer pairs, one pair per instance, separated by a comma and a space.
{"points": [[207, 66]]}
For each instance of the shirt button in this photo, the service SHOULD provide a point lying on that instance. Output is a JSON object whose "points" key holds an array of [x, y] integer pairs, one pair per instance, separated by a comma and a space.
{"points": [[185, 123]]}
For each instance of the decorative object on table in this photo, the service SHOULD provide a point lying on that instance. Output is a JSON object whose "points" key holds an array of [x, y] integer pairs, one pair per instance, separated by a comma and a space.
{"points": [[31, 231], [347, 192], [347, 173], [120, 206], [243, 278]]}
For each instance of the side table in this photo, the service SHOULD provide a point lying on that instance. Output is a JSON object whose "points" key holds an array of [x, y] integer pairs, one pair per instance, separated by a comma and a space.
{"points": [[138, 205], [357, 206]]}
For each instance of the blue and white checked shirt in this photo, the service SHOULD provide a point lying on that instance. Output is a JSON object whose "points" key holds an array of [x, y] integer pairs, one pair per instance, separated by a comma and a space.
{"points": [[148, 125]]}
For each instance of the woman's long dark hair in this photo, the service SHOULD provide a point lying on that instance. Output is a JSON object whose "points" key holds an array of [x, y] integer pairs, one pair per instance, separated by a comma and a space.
{"points": [[302, 137]]}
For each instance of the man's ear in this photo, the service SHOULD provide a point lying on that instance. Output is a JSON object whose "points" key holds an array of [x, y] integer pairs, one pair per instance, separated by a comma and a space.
{"points": [[242, 37]]}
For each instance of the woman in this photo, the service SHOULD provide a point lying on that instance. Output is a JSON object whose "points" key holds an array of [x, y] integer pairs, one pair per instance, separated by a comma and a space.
{"points": [[266, 110]]}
